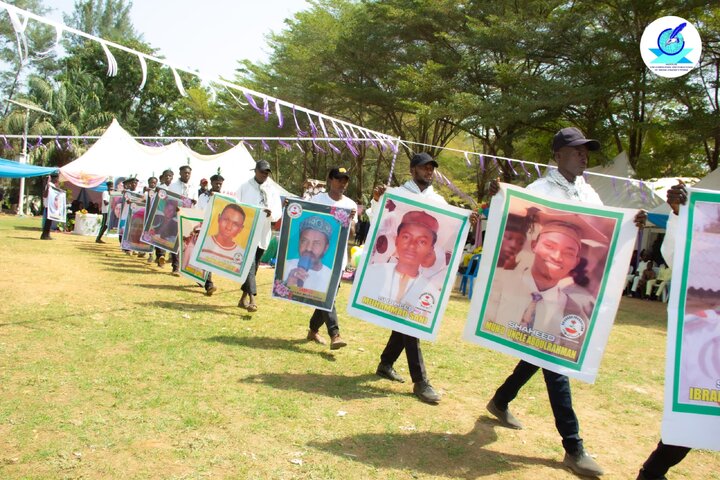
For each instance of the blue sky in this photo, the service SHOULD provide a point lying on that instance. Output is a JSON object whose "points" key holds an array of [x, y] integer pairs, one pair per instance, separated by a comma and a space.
{"points": [[209, 35]]}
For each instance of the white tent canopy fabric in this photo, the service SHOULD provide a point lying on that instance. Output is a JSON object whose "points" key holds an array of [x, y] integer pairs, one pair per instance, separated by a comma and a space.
{"points": [[116, 154], [622, 193]]}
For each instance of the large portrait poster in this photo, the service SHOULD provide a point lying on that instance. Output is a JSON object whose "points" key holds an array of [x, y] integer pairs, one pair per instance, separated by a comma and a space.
{"points": [[229, 238], [56, 204], [190, 225], [161, 225], [134, 221], [115, 209], [692, 374], [403, 282], [128, 197], [311, 250], [550, 280]]}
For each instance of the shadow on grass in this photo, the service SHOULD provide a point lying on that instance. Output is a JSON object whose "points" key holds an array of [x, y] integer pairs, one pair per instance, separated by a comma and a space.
{"points": [[345, 387], [268, 343], [187, 307], [434, 453], [164, 286], [32, 229]]}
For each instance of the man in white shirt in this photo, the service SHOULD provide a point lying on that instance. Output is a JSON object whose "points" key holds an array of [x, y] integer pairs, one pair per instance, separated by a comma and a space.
{"points": [[570, 151], [104, 209], [166, 179], [337, 182], [422, 169], [182, 186], [54, 180], [216, 183], [261, 192]]}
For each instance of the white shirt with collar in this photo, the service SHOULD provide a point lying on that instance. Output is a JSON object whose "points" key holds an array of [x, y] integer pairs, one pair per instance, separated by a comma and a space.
{"points": [[185, 189], [409, 186], [323, 198], [554, 184], [263, 195]]}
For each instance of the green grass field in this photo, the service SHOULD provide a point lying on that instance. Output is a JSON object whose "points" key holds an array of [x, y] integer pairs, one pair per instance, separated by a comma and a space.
{"points": [[113, 368]]}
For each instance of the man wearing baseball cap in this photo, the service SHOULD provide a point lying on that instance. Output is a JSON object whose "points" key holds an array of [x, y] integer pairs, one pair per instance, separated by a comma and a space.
{"points": [[261, 192], [570, 151], [422, 169], [337, 181]]}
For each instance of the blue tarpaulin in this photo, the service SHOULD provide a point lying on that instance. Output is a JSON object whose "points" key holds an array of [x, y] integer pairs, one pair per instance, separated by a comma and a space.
{"points": [[11, 169]]}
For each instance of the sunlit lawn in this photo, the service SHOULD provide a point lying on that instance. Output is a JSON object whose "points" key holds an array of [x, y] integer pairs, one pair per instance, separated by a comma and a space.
{"points": [[112, 368]]}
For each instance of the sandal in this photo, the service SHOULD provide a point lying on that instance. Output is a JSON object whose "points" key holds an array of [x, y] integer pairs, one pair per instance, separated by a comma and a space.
{"points": [[252, 308]]}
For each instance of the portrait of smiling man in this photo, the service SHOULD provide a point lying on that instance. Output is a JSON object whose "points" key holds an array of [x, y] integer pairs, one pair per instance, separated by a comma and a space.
{"points": [[220, 249]]}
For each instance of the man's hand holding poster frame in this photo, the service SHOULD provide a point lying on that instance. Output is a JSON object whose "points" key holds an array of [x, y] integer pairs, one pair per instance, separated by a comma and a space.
{"points": [[161, 225], [229, 237], [550, 280], [404, 279], [311, 250], [692, 374], [134, 222], [191, 221], [56, 204]]}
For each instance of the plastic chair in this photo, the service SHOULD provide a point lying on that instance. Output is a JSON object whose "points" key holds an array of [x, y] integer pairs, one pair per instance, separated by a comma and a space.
{"points": [[468, 278]]}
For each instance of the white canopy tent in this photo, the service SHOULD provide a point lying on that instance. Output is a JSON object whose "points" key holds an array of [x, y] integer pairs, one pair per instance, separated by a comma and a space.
{"points": [[116, 154], [622, 193]]}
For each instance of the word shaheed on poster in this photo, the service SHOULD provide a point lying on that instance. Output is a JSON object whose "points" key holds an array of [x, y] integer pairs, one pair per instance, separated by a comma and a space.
{"points": [[311, 253], [229, 237], [691, 415], [550, 280], [404, 280], [161, 225], [191, 221]]}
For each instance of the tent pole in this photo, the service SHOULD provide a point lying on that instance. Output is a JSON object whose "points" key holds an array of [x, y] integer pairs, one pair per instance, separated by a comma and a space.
{"points": [[23, 159]]}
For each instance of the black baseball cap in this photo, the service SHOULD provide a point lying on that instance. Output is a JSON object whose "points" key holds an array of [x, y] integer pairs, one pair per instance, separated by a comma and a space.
{"points": [[263, 166], [573, 137], [338, 172], [422, 158]]}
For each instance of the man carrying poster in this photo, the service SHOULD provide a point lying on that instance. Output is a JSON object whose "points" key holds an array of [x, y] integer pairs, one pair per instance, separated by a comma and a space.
{"points": [[570, 151], [52, 180], [104, 209], [184, 188], [337, 181], [422, 169], [692, 380], [261, 192]]}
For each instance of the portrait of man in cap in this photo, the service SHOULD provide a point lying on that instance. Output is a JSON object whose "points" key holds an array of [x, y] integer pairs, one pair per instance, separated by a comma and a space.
{"points": [[401, 283], [531, 298], [308, 270]]}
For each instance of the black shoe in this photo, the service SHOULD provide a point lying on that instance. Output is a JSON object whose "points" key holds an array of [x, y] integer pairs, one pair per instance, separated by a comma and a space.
{"points": [[387, 371], [582, 464], [506, 418], [642, 476], [425, 392]]}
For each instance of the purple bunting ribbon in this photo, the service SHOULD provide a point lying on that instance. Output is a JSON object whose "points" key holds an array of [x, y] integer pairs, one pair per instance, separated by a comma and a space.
{"points": [[510, 164], [322, 125], [265, 146], [248, 145], [252, 103], [537, 169], [210, 146], [317, 147], [57, 143], [467, 160], [313, 128], [285, 145], [299, 147], [527, 174], [266, 109], [333, 148], [229, 142], [39, 142], [482, 163]]}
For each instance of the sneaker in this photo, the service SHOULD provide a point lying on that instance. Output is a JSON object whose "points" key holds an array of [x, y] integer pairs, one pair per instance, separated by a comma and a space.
{"points": [[161, 262], [387, 371], [582, 464], [210, 290], [315, 337], [506, 418], [99, 240], [176, 273], [425, 392], [336, 342]]}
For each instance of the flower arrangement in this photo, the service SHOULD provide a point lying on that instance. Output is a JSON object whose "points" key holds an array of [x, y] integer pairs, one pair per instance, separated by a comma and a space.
{"points": [[281, 290], [341, 215]]}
